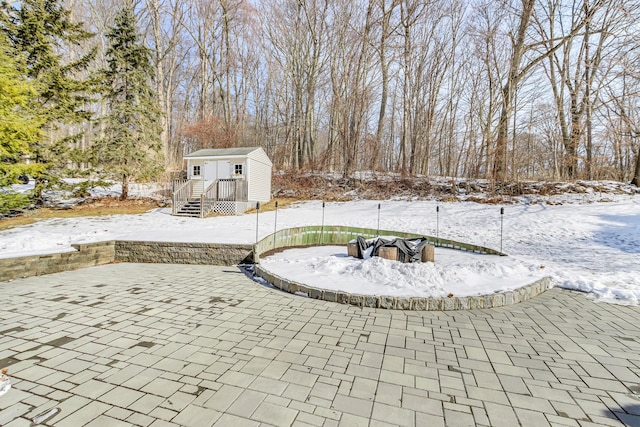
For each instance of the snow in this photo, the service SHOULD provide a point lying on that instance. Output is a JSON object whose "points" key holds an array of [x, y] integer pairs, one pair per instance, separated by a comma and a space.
{"points": [[456, 272], [590, 243]]}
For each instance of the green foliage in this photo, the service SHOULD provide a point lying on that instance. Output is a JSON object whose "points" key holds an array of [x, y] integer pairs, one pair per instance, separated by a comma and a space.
{"points": [[82, 188], [13, 201], [20, 124], [43, 34], [131, 146], [10, 172], [43, 31]]}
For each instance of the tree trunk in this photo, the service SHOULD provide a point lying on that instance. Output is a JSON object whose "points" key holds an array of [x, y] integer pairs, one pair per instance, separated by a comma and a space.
{"points": [[159, 66], [125, 187], [384, 71], [571, 146], [636, 174], [225, 94], [508, 92], [406, 103], [587, 90], [500, 155]]}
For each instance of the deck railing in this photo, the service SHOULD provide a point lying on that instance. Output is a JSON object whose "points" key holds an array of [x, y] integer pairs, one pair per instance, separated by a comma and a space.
{"points": [[234, 190], [207, 198], [221, 190], [182, 190]]}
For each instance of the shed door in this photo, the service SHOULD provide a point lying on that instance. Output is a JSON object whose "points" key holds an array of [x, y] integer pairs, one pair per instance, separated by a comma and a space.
{"points": [[214, 170], [224, 169], [209, 173]]}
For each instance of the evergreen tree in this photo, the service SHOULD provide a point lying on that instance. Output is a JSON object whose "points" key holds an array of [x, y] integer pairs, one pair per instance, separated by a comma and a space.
{"points": [[19, 125], [130, 148], [43, 33]]}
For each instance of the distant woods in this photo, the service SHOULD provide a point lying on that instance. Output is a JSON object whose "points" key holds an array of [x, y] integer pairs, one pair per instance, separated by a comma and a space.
{"points": [[501, 89]]}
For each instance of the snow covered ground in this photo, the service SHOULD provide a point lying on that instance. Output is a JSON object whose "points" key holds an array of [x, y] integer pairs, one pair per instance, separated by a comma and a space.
{"points": [[590, 242]]}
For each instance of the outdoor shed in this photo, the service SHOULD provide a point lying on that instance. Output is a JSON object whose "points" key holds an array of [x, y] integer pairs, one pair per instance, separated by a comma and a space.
{"points": [[223, 180]]}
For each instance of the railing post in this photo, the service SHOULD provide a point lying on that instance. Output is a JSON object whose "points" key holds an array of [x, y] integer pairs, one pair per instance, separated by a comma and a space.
{"points": [[173, 198], [202, 205]]}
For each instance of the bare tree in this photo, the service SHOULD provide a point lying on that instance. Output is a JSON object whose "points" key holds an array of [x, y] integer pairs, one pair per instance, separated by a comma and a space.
{"points": [[573, 70], [624, 119], [489, 56], [387, 28], [349, 64], [166, 20], [518, 70], [297, 33]]}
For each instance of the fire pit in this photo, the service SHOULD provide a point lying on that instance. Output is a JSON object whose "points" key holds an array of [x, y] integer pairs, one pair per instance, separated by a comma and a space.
{"points": [[393, 248]]}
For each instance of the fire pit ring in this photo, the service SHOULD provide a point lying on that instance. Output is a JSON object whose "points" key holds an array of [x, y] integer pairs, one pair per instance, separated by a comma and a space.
{"points": [[341, 235]]}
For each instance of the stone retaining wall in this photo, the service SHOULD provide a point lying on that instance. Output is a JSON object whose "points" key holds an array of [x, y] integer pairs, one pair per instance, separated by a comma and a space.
{"points": [[92, 254], [85, 255], [183, 253], [408, 303]]}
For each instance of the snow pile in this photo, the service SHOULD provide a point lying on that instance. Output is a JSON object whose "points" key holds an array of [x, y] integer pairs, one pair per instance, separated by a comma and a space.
{"points": [[588, 245]]}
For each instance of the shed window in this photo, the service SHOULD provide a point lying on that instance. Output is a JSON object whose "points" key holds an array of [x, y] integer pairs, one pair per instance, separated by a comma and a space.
{"points": [[196, 170], [237, 169]]}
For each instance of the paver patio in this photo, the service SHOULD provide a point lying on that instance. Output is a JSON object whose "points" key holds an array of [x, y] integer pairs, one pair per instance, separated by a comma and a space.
{"points": [[163, 345]]}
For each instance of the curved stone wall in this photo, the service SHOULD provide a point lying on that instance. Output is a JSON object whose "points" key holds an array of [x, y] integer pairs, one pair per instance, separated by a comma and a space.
{"points": [[340, 235], [408, 303]]}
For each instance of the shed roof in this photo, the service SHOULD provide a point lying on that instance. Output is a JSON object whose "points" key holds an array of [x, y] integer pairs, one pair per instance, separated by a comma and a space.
{"points": [[223, 152]]}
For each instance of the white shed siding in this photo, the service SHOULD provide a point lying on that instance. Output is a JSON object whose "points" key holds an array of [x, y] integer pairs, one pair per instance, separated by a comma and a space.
{"points": [[260, 156], [259, 176], [191, 164]]}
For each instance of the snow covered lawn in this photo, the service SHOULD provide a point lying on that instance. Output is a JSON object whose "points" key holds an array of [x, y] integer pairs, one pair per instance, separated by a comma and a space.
{"points": [[587, 245]]}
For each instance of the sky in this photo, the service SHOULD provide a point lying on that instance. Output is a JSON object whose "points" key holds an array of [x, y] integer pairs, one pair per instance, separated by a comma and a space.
{"points": [[588, 242]]}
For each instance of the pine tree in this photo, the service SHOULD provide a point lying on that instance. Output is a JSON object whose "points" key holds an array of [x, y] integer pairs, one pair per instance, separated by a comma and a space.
{"points": [[42, 32], [19, 125], [130, 148]]}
